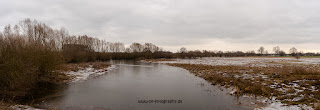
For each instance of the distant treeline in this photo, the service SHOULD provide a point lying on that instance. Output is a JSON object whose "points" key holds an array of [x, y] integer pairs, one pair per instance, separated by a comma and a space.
{"points": [[74, 49]]}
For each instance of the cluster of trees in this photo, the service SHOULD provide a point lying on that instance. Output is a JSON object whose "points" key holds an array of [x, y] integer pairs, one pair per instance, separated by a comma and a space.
{"points": [[31, 51], [184, 53], [278, 52], [29, 54]]}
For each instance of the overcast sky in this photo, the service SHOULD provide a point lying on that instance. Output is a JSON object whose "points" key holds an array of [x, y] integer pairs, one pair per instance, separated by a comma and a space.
{"points": [[195, 24]]}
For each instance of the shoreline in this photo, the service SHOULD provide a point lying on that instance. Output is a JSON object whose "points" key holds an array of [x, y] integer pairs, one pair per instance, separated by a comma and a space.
{"points": [[251, 76], [77, 72], [85, 73]]}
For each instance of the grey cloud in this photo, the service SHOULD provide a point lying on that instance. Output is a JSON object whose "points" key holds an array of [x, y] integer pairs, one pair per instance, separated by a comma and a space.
{"points": [[176, 22]]}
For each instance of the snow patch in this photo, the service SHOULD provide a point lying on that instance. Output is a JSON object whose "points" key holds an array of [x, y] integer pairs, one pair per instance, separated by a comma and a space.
{"points": [[244, 61], [86, 73], [280, 106], [24, 107], [273, 103]]}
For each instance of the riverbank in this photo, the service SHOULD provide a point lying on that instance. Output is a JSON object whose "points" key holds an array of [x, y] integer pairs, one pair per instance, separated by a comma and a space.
{"points": [[72, 73], [284, 83], [83, 71]]}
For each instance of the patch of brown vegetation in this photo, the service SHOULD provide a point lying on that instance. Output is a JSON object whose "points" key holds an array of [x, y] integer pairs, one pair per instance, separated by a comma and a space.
{"points": [[293, 57], [99, 65], [73, 66], [156, 60], [5, 106], [264, 81], [81, 66], [23, 65], [318, 106]]}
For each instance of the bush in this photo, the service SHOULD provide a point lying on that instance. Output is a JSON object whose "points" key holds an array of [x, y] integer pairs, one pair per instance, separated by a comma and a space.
{"points": [[23, 65]]}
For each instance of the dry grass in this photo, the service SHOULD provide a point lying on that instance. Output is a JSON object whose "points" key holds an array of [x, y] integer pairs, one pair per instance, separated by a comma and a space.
{"points": [[318, 106], [282, 57], [65, 68], [259, 80], [73, 66], [156, 60], [5, 106], [81, 66], [99, 65]]}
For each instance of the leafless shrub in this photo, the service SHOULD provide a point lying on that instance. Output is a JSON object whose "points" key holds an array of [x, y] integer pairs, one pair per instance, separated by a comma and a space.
{"points": [[27, 56]]}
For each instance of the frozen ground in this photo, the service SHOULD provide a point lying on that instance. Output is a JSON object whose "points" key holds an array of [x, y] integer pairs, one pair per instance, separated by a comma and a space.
{"points": [[246, 61], [280, 106], [273, 103], [24, 107], [85, 73]]}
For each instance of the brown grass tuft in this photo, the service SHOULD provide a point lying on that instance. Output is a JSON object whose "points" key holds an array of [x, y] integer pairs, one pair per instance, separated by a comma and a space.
{"points": [[156, 60], [99, 65], [5, 106], [248, 80], [318, 106]]}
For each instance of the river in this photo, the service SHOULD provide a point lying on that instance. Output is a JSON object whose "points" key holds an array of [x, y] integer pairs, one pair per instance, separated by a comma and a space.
{"points": [[137, 85]]}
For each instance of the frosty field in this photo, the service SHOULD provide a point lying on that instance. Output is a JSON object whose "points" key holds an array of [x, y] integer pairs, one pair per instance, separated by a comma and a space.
{"points": [[280, 83]]}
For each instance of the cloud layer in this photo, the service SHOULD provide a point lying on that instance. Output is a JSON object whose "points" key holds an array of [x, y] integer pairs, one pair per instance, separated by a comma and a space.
{"points": [[195, 24]]}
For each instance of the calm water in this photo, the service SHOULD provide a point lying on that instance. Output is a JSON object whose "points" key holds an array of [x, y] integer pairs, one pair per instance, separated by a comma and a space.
{"points": [[131, 82]]}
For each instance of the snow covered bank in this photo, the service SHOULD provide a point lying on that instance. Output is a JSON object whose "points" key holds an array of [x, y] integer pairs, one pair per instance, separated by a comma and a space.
{"points": [[24, 107], [77, 72], [291, 81], [281, 106], [245, 61], [89, 72]]}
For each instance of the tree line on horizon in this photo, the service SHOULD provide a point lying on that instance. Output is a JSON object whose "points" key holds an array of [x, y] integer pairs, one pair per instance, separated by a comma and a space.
{"points": [[83, 48]]}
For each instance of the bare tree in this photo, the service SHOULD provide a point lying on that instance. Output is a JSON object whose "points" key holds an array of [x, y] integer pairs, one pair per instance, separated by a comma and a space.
{"points": [[261, 50], [63, 34], [276, 50], [1, 43], [118, 47], [149, 47], [136, 47], [183, 50], [293, 51], [282, 53], [251, 53], [127, 50]]}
